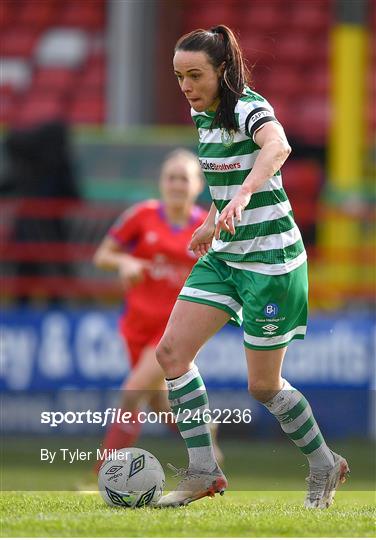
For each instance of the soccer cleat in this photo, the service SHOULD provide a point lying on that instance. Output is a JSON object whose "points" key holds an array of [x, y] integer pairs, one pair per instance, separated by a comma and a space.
{"points": [[193, 486], [322, 485]]}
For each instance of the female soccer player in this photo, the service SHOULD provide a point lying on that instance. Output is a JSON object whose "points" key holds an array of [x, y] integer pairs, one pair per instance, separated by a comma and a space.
{"points": [[148, 247], [252, 268]]}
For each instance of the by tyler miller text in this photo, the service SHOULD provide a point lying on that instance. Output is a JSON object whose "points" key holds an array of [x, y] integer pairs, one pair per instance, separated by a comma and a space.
{"points": [[72, 455]]}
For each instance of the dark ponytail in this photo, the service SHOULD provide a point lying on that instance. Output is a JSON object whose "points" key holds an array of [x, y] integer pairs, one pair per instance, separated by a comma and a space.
{"points": [[220, 44]]}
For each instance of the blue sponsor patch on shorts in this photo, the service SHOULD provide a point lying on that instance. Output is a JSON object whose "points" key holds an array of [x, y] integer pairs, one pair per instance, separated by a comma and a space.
{"points": [[271, 310]]}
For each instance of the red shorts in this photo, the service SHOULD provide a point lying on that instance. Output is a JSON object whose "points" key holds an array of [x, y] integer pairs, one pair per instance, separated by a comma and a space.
{"points": [[136, 341]]}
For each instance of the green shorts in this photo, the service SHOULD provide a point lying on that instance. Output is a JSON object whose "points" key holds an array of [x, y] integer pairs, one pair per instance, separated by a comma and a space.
{"points": [[273, 309]]}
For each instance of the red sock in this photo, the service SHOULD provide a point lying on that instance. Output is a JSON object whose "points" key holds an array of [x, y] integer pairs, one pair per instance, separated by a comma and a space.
{"points": [[172, 426], [120, 436]]}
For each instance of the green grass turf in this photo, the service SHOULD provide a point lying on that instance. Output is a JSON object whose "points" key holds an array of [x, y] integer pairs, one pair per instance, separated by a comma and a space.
{"points": [[264, 500], [237, 514]]}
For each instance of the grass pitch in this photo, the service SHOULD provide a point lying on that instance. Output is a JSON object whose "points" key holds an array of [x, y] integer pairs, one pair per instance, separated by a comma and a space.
{"points": [[237, 514], [264, 500]]}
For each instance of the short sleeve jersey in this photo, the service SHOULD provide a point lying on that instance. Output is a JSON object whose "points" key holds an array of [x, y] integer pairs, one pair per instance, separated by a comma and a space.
{"points": [[267, 240], [145, 232]]}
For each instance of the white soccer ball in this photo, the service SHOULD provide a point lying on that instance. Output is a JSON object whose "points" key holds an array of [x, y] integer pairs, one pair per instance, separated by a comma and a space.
{"points": [[133, 478]]}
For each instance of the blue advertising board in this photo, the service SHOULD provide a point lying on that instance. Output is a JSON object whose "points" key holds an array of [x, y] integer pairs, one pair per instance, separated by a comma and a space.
{"points": [[50, 350]]}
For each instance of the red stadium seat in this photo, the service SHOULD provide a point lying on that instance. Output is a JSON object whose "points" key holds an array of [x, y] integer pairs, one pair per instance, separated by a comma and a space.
{"points": [[87, 110], [321, 49], [45, 94], [312, 116], [89, 14], [38, 108], [317, 81], [259, 49], [302, 177], [305, 211], [202, 15], [303, 49], [18, 41], [310, 17], [259, 74], [284, 111], [287, 81], [262, 17], [96, 58], [183, 114], [295, 48], [66, 69], [8, 101], [93, 76], [54, 79], [37, 15], [7, 15]]}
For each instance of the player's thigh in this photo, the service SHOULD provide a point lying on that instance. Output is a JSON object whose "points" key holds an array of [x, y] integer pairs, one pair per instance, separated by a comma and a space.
{"points": [[190, 326]]}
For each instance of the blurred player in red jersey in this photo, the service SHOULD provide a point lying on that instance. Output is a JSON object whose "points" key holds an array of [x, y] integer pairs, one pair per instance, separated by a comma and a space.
{"points": [[148, 247]]}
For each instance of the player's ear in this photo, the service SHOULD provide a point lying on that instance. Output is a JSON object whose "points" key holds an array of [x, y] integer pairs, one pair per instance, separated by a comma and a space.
{"points": [[221, 70]]}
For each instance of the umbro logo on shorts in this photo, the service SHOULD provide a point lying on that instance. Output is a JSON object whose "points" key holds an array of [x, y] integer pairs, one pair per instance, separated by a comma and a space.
{"points": [[270, 329]]}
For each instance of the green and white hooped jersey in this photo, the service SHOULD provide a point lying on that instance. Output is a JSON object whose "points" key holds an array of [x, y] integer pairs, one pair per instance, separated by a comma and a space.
{"points": [[267, 240]]}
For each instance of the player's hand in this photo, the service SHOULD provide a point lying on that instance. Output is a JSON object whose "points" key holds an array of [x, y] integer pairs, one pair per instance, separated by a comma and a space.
{"points": [[131, 271], [201, 240], [233, 211]]}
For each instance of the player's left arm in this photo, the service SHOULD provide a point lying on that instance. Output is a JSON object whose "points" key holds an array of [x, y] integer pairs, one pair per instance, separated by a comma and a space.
{"points": [[274, 150]]}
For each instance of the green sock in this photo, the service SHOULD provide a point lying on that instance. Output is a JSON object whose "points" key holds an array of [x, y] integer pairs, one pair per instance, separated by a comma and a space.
{"points": [[294, 413], [188, 399]]}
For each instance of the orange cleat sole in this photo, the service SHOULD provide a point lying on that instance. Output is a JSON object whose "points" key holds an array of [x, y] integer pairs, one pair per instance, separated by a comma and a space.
{"points": [[218, 486]]}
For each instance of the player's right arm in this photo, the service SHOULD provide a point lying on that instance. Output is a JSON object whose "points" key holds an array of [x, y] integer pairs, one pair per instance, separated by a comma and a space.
{"points": [[110, 256], [113, 252], [203, 235]]}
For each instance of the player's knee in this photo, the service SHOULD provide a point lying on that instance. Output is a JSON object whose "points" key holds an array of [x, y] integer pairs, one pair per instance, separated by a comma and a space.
{"points": [[164, 354], [171, 360], [132, 398], [260, 391]]}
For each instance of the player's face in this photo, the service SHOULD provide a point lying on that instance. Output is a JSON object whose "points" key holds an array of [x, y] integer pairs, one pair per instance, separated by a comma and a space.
{"points": [[198, 79], [179, 183]]}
